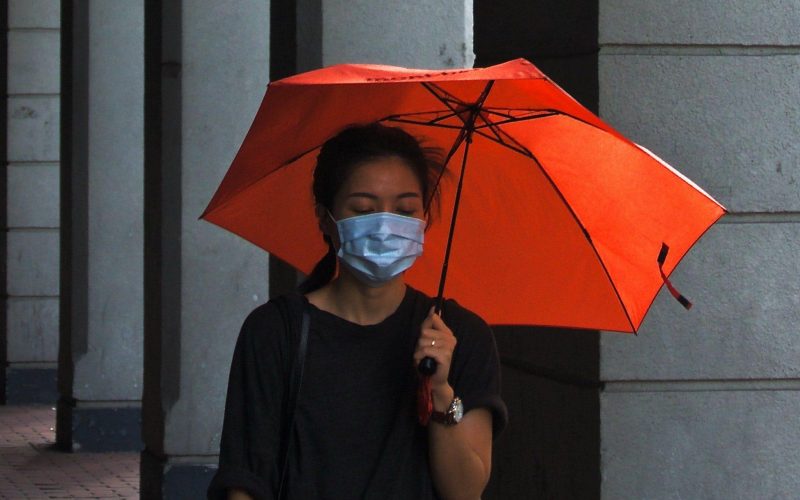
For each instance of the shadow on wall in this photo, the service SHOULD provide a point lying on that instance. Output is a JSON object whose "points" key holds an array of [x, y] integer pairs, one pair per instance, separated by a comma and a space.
{"points": [[551, 447]]}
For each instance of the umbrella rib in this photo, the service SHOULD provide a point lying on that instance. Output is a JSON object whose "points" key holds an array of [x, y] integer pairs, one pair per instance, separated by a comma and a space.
{"points": [[514, 119], [453, 149], [587, 236], [519, 149], [427, 124], [304, 153], [445, 98], [439, 112], [502, 133], [256, 181], [528, 153], [532, 113], [467, 131]]}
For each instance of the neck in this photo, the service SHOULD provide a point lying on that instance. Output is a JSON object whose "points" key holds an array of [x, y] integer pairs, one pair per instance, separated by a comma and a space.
{"points": [[354, 301]]}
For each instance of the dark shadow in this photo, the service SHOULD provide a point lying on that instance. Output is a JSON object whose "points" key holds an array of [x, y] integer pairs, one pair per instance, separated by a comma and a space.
{"points": [[551, 447], [3, 202], [282, 63]]}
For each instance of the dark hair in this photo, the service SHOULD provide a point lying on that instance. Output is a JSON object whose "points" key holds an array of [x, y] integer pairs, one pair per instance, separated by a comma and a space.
{"points": [[353, 146]]}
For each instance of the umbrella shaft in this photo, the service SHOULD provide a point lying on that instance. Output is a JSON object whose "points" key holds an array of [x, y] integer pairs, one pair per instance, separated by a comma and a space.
{"points": [[442, 279]]}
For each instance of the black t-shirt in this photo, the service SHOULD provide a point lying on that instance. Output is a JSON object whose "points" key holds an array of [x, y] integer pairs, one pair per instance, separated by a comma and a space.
{"points": [[356, 433]]}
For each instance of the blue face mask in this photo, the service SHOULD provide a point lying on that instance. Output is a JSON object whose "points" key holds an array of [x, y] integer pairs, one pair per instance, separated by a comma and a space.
{"points": [[379, 246]]}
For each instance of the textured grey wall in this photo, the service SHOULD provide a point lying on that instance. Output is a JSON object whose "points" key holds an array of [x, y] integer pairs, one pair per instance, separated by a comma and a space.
{"points": [[224, 61], [418, 33], [32, 183], [110, 369], [703, 404]]}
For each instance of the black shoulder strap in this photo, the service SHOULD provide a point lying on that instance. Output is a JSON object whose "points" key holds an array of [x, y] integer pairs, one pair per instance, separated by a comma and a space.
{"points": [[292, 306]]}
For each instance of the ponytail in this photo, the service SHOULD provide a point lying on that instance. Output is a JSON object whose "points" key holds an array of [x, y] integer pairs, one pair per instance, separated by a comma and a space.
{"points": [[323, 272]]}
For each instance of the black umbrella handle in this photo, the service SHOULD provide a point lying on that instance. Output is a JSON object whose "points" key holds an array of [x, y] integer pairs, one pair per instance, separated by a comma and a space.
{"points": [[427, 366]]}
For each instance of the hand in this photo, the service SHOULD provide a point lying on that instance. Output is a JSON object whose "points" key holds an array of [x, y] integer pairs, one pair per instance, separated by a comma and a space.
{"points": [[437, 341]]}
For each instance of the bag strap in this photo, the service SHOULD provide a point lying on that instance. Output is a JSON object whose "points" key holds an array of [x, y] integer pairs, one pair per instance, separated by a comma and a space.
{"points": [[294, 305]]}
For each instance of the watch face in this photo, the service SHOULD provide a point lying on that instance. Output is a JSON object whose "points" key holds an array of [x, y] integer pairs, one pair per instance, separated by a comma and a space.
{"points": [[458, 410]]}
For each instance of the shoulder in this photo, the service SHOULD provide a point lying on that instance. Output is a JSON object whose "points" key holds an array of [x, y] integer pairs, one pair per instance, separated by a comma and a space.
{"points": [[268, 312], [270, 321], [277, 308]]}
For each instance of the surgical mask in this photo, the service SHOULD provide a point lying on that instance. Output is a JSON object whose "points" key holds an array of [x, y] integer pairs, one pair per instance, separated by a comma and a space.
{"points": [[379, 246]]}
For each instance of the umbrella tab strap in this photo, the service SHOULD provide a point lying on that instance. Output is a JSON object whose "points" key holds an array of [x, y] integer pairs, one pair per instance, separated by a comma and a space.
{"points": [[662, 257], [424, 400]]}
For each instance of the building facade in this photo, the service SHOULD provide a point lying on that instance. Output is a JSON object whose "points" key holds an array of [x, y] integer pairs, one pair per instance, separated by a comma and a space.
{"points": [[121, 308]]}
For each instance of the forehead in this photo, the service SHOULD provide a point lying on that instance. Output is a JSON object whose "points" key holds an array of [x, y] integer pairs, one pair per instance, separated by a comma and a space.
{"points": [[382, 175]]}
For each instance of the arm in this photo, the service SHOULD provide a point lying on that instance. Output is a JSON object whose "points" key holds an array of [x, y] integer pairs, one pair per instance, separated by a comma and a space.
{"points": [[460, 455], [252, 414], [237, 494]]}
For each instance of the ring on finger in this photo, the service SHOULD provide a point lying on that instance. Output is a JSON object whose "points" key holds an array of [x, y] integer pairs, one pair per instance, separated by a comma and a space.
{"points": [[433, 342]]}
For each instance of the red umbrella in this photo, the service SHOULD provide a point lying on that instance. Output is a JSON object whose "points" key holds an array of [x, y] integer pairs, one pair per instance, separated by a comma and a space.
{"points": [[562, 220]]}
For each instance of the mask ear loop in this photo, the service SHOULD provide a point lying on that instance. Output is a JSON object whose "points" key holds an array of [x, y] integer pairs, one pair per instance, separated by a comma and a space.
{"points": [[329, 238], [332, 250]]}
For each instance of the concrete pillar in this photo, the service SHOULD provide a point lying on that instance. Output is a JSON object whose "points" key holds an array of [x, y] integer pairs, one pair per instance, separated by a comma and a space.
{"points": [[100, 360], [207, 67], [31, 180], [424, 34], [704, 403]]}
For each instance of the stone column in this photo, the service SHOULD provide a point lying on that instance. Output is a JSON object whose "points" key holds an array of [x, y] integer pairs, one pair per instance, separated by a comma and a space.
{"points": [[207, 67], [100, 358], [424, 34], [705, 403], [31, 210]]}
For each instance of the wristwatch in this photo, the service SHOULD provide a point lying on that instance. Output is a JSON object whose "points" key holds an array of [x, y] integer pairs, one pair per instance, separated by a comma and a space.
{"points": [[453, 415]]}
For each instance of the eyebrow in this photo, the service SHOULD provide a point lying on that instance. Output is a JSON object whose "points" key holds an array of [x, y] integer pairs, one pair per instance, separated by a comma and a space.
{"points": [[371, 196]]}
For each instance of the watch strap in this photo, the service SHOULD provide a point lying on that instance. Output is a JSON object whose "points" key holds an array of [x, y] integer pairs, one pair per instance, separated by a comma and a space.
{"points": [[447, 417]]}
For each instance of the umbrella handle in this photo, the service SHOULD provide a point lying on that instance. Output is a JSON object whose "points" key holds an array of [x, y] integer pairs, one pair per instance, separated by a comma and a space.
{"points": [[427, 366]]}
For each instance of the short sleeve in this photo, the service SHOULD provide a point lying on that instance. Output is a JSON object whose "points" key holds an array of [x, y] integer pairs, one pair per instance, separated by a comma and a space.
{"points": [[475, 369], [250, 438]]}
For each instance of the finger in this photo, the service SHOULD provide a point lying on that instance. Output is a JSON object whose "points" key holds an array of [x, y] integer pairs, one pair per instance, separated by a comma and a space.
{"points": [[428, 342], [438, 323], [426, 335], [443, 338], [439, 348], [441, 345]]}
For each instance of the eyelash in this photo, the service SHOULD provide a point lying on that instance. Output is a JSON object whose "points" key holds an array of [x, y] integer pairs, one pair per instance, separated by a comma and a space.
{"points": [[368, 211]]}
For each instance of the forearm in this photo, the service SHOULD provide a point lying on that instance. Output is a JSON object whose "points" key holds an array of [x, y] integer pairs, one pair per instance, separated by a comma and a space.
{"points": [[457, 469], [237, 494]]}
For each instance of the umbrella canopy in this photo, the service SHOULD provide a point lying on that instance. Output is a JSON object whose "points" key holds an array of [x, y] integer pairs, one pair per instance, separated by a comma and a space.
{"points": [[561, 221]]}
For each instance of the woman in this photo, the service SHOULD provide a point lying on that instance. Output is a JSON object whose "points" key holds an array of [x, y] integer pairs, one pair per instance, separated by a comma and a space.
{"points": [[356, 432]]}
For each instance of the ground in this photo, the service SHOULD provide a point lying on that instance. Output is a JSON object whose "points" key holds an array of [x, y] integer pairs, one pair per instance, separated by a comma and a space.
{"points": [[31, 466]]}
